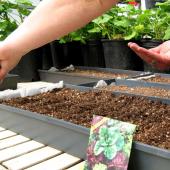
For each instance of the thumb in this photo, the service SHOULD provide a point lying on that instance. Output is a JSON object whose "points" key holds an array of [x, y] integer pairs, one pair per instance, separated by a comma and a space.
{"points": [[156, 49]]}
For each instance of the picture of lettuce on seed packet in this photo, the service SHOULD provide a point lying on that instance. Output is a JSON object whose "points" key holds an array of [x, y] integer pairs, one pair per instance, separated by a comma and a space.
{"points": [[109, 145]]}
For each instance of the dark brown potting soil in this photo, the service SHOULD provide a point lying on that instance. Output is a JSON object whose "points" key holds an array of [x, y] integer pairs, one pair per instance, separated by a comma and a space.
{"points": [[152, 118], [100, 74], [159, 79], [146, 91]]}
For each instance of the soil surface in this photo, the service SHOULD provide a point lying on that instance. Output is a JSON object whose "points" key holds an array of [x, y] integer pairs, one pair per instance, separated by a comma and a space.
{"points": [[152, 118], [100, 74], [147, 91], [159, 79]]}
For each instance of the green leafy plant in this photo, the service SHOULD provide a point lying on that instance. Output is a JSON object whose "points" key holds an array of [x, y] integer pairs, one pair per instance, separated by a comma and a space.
{"points": [[73, 36], [117, 23], [127, 23], [89, 32], [12, 13], [110, 142], [152, 24], [100, 167], [164, 5], [165, 22]]}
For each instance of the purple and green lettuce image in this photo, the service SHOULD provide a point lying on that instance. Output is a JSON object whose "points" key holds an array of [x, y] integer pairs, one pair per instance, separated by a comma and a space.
{"points": [[109, 144]]}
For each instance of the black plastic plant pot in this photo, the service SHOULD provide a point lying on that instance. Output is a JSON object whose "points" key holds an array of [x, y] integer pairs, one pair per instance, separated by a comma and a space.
{"points": [[150, 4], [72, 53], [73, 139], [149, 43], [47, 62], [65, 54], [10, 82], [28, 66], [143, 83], [71, 78], [57, 54], [92, 53], [119, 56], [61, 54]]}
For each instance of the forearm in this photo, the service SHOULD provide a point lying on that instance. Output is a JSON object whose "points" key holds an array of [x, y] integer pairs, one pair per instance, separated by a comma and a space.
{"points": [[53, 19]]}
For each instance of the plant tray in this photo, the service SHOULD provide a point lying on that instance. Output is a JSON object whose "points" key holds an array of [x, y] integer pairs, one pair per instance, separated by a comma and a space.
{"points": [[72, 78], [10, 82], [143, 83], [153, 98], [119, 92], [73, 139]]}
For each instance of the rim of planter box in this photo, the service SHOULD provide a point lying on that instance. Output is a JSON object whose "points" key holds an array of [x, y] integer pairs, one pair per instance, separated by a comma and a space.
{"points": [[152, 98], [10, 82], [143, 83], [78, 79], [119, 92], [12, 75], [107, 70], [115, 40]]}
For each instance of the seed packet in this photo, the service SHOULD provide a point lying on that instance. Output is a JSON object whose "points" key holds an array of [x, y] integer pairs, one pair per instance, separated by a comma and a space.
{"points": [[109, 145]]}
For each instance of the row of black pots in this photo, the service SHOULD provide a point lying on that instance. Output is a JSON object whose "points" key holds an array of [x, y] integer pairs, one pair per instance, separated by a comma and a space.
{"points": [[97, 53], [110, 54], [100, 53], [59, 55], [76, 53]]}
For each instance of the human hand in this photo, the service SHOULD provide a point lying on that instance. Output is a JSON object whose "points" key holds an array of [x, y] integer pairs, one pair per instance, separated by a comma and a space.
{"points": [[8, 60], [158, 57]]}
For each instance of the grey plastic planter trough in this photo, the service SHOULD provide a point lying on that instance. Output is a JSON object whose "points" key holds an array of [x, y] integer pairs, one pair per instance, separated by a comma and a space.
{"points": [[75, 79], [143, 83], [10, 82], [129, 84], [73, 139]]}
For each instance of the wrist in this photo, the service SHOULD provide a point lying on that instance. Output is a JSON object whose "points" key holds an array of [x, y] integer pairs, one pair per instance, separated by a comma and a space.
{"points": [[9, 50]]}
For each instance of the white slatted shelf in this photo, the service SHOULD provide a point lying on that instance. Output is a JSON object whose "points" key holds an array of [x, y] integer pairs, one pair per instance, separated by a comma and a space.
{"points": [[11, 141], [59, 162], [78, 166], [1, 129], [2, 168], [33, 155], [18, 150], [33, 144], [31, 158], [6, 134]]}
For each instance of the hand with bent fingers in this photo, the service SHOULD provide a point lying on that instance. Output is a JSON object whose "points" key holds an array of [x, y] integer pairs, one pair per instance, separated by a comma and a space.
{"points": [[8, 60], [158, 57]]}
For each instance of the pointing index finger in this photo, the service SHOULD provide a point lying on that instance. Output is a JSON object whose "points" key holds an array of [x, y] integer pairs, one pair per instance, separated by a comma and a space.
{"points": [[145, 54]]}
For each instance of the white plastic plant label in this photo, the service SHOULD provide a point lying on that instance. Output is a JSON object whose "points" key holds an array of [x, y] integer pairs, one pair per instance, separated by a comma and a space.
{"points": [[100, 83]]}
